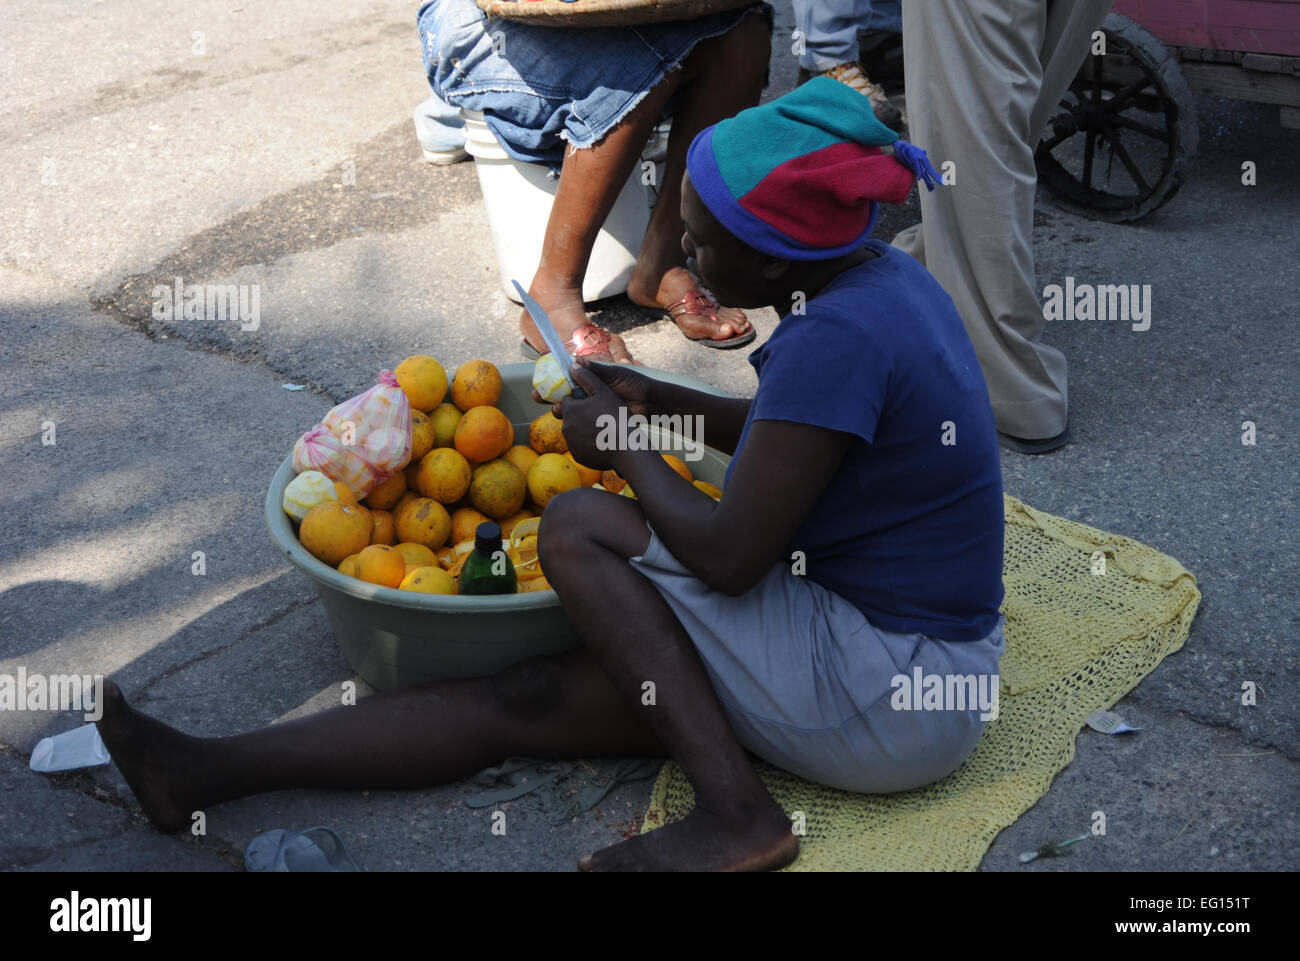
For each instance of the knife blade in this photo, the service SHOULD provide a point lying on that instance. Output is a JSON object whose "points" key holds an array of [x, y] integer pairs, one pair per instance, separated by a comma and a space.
{"points": [[552, 337]]}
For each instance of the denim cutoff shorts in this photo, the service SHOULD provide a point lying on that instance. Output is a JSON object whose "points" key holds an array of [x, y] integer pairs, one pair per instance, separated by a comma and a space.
{"points": [[808, 683], [540, 87]]}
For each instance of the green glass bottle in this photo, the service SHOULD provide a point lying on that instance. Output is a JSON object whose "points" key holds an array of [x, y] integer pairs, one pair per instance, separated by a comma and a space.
{"points": [[488, 569]]}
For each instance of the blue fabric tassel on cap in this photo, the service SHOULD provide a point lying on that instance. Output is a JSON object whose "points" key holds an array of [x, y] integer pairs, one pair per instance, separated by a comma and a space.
{"points": [[915, 159]]}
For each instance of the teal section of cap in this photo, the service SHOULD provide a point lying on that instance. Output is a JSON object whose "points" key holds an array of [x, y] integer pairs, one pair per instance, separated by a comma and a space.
{"points": [[816, 115]]}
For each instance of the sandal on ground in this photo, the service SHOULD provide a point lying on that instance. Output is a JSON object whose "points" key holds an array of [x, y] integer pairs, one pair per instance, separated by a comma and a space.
{"points": [[704, 304], [294, 852], [587, 339]]}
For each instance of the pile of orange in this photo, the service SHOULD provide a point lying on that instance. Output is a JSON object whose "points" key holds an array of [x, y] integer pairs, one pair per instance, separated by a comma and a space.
{"points": [[416, 528]]}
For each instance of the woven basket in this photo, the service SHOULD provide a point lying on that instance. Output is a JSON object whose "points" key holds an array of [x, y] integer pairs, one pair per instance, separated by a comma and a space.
{"points": [[604, 13]]}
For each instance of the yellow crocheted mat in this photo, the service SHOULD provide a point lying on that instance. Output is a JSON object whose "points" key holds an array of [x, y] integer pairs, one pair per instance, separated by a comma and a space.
{"points": [[1077, 641]]}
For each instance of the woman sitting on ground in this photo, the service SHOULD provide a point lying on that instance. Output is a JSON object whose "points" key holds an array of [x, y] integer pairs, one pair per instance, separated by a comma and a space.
{"points": [[868, 456], [585, 101]]}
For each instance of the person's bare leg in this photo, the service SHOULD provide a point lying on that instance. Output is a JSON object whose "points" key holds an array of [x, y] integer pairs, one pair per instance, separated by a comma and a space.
{"points": [[583, 704], [721, 77], [590, 182], [587, 537], [558, 707]]}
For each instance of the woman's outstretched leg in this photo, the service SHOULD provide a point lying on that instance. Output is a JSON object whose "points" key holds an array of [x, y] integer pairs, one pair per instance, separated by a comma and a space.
{"points": [[583, 704], [555, 707]]}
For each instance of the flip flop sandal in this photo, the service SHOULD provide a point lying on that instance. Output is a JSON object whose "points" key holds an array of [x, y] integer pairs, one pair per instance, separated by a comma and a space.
{"points": [[293, 851], [587, 339], [590, 339], [706, 305]]}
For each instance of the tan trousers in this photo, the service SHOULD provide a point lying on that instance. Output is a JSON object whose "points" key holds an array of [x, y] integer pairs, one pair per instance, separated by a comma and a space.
{"points": [[983, 77]]}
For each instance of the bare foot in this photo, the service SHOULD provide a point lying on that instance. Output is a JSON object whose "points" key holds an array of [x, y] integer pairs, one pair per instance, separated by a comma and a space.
{"points": [[673, 284], [161, 764], [704, 841], [564, 306]]}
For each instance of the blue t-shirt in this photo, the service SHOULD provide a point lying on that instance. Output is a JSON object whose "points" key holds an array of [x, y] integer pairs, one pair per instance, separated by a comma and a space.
{"points": [[910, 528]]}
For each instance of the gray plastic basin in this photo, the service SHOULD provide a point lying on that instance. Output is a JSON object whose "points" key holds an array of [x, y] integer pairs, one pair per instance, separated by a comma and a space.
{"points": [[397, 638]]}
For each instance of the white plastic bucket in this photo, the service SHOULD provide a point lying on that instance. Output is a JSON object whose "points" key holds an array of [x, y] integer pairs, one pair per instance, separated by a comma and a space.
{"points": [[518, 198]]}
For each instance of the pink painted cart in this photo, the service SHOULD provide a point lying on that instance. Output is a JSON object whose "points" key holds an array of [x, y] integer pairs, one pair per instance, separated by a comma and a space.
{"points": [[1123, 142]]}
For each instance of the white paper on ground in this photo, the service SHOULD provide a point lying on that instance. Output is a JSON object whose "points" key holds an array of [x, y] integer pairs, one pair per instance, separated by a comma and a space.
{"points": [[80, 747], [1108, 722]]}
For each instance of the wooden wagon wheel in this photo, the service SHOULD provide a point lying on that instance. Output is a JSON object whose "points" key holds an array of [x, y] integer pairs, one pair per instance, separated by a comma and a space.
{"points": [[1124, 139]]}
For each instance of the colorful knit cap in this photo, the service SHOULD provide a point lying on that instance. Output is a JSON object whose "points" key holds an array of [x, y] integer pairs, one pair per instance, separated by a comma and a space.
{"points": [[801, 177]]}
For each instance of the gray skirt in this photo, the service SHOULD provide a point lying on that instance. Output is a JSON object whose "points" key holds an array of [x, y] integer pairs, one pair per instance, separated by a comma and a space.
{"points": [[810, 685]]}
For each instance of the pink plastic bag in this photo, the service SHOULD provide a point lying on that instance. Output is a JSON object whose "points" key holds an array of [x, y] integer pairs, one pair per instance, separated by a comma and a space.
{"points": [[363, 441]]}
